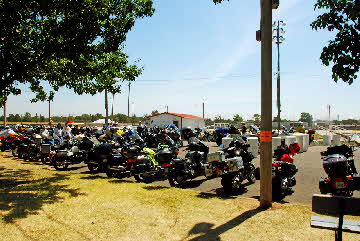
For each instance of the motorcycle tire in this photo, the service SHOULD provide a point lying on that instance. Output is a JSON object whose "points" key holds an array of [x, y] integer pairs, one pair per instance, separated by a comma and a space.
{"points": [[257, 173], [20, 155], [109, 173], [14, 152], [60, 166], [44, 160], [34, 157], [278, 190], [231, 183], [93, 168], [176, 180], [252, 177], [141, 178]]}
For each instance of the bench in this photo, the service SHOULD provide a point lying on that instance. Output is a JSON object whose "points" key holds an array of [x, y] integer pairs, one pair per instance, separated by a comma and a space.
{"points": [[335, 206]]}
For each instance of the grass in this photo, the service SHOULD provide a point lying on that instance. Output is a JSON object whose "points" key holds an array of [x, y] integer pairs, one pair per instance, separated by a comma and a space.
{"points": [[37, 203]]}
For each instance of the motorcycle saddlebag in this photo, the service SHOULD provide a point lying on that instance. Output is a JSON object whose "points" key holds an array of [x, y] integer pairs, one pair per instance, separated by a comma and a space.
{"points": [[356, 181], [235, 164], [218, 156], [86, 145], [336, 165], [62, 153], [288, 169], [105, 149], [165, 156], [45, 148]]}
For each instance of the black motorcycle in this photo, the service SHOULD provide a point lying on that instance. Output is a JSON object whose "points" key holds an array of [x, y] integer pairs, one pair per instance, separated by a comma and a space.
{"points": [[68, 153], [192, 166], [343, 179]]}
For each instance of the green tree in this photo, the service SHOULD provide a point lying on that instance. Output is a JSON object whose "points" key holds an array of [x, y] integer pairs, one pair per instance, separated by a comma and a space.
{"points": [[306, 117], [27, 117], [237, 118], [17, 118], [11, 118], [257, 118], [343, 52], [42, 118], [77, 44], [155, 112]]}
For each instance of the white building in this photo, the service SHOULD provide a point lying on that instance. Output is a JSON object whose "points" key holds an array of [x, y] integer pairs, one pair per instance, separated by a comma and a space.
{"points": [[180, 120]]}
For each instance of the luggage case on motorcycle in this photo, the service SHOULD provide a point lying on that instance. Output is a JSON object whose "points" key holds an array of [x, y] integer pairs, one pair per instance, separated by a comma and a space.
{"points": [[216, 156], [336, 165], [235, 164], [45, 148]]}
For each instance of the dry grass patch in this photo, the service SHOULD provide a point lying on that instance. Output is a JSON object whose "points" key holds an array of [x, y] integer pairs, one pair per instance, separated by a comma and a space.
{"points": [[37, 203]]}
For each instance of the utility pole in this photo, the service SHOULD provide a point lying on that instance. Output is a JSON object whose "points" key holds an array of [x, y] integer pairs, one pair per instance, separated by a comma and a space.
{"points": [[4, 113], [112, 107], [49, 113], [265, 36], [203, 105], [129, 99], [106, 108], [279, 39]]}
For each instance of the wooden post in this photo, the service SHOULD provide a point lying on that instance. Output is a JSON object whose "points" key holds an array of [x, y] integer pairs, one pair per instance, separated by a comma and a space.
{"points": [[266, 105]]}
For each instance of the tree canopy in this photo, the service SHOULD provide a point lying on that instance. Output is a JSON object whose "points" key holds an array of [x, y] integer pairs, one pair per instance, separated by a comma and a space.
{"points": [[237, 118], [77, 44], [306, 117], [343, 52]]}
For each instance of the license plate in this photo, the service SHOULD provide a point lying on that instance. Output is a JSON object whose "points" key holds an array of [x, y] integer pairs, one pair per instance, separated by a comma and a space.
{"points": [[339, 185]]}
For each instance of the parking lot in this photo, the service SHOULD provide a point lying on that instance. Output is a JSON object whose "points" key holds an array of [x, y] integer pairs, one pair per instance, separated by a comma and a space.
{"points": [[310, 171]]}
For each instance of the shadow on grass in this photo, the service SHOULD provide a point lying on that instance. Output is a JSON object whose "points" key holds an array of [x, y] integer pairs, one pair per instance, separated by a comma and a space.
{"points": [[152, 188], [277, 201], [121, 181], [210, 233], [93, 177], [21, 196]]}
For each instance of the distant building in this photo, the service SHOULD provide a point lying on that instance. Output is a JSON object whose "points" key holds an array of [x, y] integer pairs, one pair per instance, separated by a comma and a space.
{"points": [[180, 120]]}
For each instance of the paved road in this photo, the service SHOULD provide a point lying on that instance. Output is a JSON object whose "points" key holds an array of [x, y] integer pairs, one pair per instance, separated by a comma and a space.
{"points": [[310, 171]]}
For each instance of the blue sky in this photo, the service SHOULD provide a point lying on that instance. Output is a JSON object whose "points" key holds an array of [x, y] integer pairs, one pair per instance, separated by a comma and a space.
{"points": [[193, 50]]}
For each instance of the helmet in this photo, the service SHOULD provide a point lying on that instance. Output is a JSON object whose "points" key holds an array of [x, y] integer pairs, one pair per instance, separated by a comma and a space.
{"points": [[294, 148], [287, 158]]}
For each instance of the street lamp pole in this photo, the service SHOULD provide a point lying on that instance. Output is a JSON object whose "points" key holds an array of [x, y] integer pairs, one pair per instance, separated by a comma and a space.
{"points": [[129, 99]]}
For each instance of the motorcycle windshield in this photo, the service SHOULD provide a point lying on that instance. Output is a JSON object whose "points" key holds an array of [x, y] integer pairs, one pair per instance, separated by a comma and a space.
{"points": [[135, 138]]}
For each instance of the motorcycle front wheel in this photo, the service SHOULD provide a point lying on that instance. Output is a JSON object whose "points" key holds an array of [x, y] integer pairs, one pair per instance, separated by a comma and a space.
{"points": [[14, 152], [231, 183], [60, 165], [93, 168], [279, 188], [251, 177], [143, 178], [176, 180]]}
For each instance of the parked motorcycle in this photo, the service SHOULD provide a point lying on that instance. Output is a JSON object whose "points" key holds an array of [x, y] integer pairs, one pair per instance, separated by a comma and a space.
{"points": [[68, 153], [192, 166], [343, 179], [283, 171], [233, 165]]}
